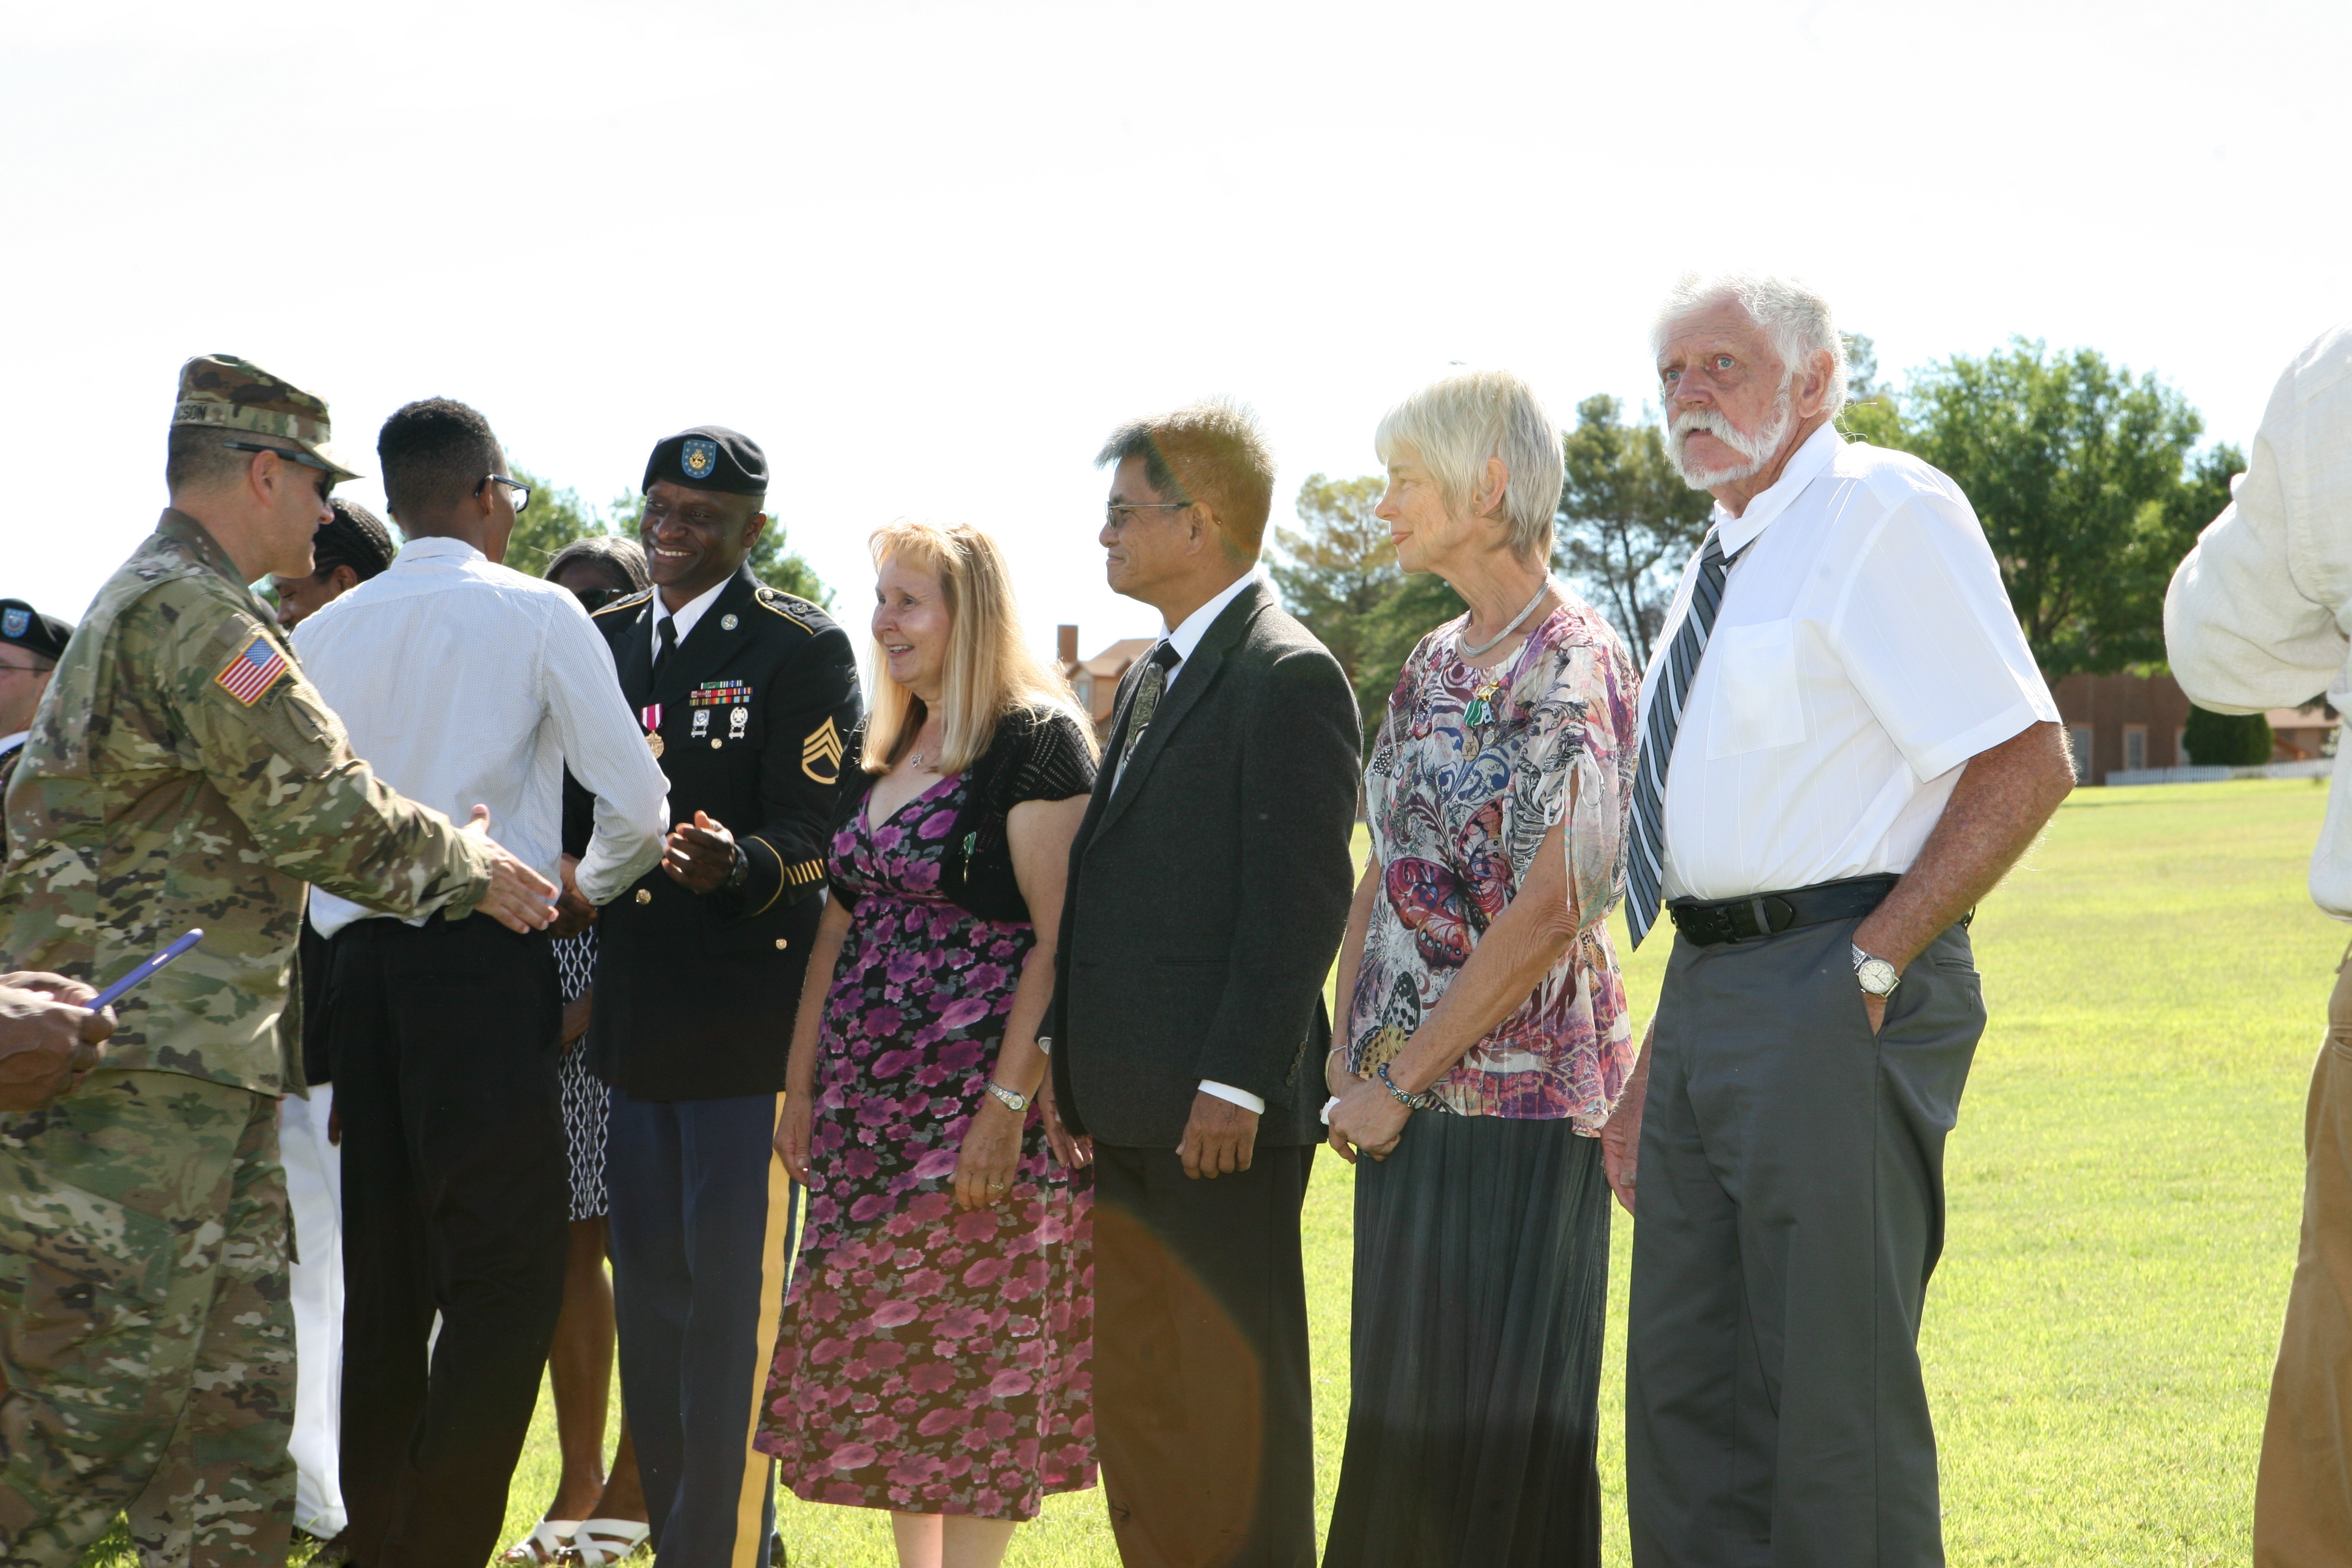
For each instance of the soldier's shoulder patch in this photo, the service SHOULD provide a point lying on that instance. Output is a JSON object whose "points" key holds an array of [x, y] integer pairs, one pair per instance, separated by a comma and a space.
{"points": [[631, 602], [253, 671], [795, 610], [821, 754]]}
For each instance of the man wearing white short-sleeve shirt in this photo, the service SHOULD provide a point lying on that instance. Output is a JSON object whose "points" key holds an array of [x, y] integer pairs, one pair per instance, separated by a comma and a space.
{"points": [[1845, 744]]}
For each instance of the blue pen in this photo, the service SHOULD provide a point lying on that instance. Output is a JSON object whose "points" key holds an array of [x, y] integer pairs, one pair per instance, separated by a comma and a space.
{"points": [[106, 997]]}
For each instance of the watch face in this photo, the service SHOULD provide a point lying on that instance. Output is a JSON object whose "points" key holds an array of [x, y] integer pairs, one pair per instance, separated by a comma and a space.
{"points": [[1877, 976]]}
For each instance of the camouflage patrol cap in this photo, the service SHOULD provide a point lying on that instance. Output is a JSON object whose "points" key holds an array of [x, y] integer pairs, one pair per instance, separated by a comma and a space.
{"points": [[239, 395]]}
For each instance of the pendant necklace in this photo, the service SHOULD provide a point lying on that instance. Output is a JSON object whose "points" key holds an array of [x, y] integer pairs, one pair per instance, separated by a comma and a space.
{"points": [[1517, 621], [1482, 701]]}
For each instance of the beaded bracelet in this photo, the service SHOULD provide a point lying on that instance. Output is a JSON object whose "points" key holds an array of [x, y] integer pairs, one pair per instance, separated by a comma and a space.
{"points": [[1425, 1100]]}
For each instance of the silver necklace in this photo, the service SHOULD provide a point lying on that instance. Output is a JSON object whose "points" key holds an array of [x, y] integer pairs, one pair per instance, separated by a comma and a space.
{"points": [[1517, 621]]}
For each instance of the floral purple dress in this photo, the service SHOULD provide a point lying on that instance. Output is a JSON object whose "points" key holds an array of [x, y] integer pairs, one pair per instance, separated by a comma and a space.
{"points": [[931, 1360]]}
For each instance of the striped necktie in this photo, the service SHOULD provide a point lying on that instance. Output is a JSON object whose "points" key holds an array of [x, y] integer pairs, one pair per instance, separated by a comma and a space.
{"points": [[1645, 866]]}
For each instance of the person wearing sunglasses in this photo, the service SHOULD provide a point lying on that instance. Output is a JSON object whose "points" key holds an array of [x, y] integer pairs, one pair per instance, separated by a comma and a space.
{"points": [[184, 771], [31, 646], [460, 680]]}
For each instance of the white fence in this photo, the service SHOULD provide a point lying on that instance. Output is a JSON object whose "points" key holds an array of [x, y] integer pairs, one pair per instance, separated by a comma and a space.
{"points": [[2318, 768]]}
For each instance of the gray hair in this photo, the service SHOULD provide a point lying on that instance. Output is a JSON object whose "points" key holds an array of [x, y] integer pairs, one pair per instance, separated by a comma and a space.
{"points": [[1796, 318], [616, 553], [1457, 424]]}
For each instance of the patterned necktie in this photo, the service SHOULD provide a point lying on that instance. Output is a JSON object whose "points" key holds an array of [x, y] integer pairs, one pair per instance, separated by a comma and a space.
{"points": [[665, 639], [1149, 689], [1645, 870]]}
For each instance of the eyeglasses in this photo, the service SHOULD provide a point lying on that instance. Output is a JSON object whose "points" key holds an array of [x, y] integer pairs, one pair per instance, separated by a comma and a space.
{"points": [[1114, 521], [517, 489], [594, 599], [292, 455], [27, 669]]}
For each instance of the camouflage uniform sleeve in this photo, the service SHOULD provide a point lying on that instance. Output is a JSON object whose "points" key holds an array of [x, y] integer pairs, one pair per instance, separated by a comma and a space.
{"points": [[269, 742]]}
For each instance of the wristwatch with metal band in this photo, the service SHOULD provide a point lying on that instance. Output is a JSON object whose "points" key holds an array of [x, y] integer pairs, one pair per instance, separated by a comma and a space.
{"points": [[1011, 1099], [1874, 975]]}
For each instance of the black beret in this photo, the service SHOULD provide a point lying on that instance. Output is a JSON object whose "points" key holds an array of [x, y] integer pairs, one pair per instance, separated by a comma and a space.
{"points": [[21, 626], [710, 457]]}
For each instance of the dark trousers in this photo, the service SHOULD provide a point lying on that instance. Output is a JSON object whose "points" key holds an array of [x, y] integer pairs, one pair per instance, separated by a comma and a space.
{"points": [[443, 1039], [701, 1236], [1203, 1412], [1790, 1211]]}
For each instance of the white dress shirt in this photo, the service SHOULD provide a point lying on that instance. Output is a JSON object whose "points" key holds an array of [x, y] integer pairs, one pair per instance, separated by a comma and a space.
{"points": [[685, 616], [1184, 640], [465, 683], [1864, 650], [2257, 615]]}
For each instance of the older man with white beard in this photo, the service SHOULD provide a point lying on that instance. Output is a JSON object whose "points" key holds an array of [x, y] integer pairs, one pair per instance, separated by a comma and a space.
{"points": [[1844, 745]]}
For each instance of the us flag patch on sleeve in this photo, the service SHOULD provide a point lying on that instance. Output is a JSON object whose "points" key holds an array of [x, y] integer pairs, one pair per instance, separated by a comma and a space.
{"points": [[252, 672]]}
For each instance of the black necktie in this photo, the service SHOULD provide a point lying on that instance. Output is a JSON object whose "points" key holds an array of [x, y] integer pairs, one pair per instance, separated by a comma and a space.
{"points": [[665, 639], [1645, 864]]}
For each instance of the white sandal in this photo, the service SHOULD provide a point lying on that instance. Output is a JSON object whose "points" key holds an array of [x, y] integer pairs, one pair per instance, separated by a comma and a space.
{"points": [[546, 1544], [600, 1542]]}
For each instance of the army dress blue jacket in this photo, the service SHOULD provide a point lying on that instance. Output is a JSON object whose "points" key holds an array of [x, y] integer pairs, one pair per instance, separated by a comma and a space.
{"points": [[756, 711]]}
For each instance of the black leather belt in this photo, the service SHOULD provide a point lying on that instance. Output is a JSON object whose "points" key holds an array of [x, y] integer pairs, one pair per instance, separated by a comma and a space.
{"points": [[1769, 914]]}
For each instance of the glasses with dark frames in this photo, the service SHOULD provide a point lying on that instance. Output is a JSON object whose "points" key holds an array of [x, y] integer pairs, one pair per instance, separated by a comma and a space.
{"points": [[1114, 521], [328, 476], [515, 488]]}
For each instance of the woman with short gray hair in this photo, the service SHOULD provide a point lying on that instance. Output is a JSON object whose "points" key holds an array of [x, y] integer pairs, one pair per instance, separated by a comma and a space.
{"points": [[1485, 1037]]}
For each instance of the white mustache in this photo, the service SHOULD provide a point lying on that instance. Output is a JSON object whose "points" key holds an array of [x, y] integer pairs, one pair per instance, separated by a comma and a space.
{"points": [[1754, 450], [1714, 423]]}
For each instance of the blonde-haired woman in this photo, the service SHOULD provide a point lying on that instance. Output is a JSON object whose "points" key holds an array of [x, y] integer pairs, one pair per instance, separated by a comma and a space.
{"points": [[932, 1354]]}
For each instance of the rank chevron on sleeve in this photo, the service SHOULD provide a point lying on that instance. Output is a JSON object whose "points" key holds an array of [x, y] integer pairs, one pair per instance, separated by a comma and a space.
{"points": [[821, 754]]}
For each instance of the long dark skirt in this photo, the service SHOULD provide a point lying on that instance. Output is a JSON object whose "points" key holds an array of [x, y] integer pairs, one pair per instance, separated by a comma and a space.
{"points": [[1482, 1274]]}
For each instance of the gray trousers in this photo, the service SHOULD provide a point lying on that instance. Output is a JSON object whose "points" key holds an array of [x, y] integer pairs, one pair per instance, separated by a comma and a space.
{"points": [[1790, 1210]]}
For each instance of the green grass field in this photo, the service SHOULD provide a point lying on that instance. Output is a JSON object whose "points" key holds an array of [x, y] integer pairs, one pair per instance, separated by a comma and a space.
{"points": [[2124, 1186]]}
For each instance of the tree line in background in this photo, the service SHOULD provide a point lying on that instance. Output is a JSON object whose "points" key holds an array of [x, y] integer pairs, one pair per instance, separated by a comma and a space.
{"points": [[557, 517], [2085, 477]]}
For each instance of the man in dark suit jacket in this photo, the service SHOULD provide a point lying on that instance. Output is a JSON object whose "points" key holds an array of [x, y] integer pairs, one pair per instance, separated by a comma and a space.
{"points": [[1208, 890], [749, 699]]}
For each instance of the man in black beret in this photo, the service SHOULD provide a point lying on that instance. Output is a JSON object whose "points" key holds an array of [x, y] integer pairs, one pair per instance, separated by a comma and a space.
{"points": [[749, 697], [31, 646]]}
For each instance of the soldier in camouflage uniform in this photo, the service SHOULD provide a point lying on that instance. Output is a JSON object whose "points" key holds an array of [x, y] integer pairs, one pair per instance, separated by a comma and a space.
{"points": [[182, 773]]}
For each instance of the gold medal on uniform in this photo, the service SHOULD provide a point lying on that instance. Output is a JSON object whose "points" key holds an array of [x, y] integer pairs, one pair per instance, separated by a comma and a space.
{"points": [[650, 717]]}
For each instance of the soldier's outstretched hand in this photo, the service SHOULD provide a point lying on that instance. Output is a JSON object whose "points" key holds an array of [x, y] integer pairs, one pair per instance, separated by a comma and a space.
{"points": [[520, 898], [48, 1041]]}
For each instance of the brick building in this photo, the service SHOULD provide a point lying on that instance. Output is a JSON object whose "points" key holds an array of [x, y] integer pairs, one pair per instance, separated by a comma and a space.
{"points": [[2123, 723], [1095, 680]]}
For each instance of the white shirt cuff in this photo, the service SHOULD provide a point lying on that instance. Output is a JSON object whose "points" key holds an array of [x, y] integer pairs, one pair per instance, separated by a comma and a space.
{"points": [[1239, 1097]]}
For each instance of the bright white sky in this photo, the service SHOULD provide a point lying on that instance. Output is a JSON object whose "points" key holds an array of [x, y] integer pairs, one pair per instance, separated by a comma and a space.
{"points": [[929, 254]]}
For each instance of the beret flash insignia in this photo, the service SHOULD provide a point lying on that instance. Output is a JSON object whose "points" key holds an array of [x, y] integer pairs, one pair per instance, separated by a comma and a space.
{"points": [[13, 623], [699, 459]]}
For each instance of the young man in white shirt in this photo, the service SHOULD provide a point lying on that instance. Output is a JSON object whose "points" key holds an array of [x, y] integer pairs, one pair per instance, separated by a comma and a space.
{"points": [[1844, 745], [461, 682], [2253, 621]]}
